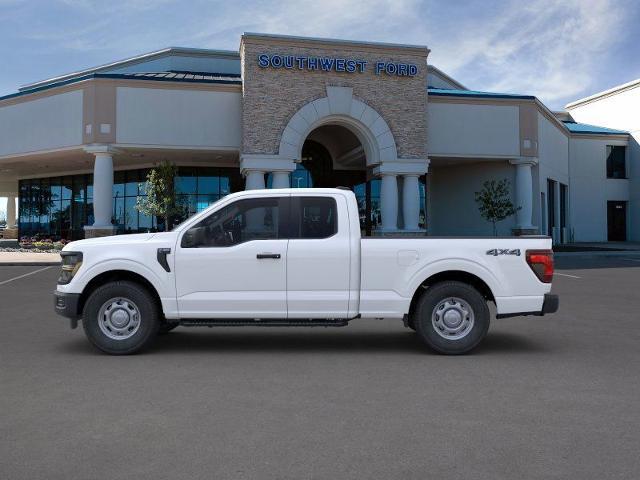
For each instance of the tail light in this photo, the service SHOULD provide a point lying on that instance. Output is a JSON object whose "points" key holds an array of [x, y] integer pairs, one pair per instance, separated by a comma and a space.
{"points": [[541, 262]]}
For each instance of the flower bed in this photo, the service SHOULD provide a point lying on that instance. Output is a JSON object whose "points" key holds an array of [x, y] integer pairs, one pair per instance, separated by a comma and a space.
{"points": [[37, 244]]}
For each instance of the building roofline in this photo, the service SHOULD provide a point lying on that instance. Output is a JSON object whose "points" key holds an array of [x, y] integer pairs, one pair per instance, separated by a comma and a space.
{"points": [[121, 76], [423, 49], [605, 93], [588, 129], [132, 61], [447, 77], [562, 125]]}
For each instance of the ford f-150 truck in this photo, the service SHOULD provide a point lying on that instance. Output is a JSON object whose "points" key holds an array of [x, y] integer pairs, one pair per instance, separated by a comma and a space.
{"points": [[295, 257]]}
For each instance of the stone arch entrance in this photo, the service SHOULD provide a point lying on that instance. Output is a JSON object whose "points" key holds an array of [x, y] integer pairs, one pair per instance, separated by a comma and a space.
{"points": [[339, 107], [333, 156], [373, 162]]}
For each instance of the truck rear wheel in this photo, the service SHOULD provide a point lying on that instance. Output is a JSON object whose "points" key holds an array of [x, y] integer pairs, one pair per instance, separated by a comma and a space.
{"points": [[452, 317], [120, 318]]}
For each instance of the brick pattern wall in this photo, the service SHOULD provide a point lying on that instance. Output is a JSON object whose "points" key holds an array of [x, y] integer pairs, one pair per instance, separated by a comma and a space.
{"points": [[272, 96]]}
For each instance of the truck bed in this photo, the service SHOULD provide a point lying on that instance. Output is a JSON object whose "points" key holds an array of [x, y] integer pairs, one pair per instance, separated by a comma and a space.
{"points": [[392, 269]]}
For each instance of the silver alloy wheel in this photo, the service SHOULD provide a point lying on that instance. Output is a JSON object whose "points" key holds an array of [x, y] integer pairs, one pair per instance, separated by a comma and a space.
{"points": [[452, 318], [119, 318]]}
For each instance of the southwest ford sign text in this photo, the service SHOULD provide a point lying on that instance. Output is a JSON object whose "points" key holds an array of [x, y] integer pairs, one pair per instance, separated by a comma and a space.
{"points": [[332, 64]]}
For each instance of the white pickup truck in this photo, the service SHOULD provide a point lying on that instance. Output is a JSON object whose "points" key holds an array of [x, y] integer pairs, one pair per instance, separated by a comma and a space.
{"points": [[294, 257]]}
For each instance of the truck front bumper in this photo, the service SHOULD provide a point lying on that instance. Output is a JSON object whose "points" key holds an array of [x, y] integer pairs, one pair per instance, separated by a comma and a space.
{"points": [[66, 304]]}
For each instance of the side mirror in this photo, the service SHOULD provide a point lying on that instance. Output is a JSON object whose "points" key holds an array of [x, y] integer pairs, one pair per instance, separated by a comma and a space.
{"points": [[189, 238]]}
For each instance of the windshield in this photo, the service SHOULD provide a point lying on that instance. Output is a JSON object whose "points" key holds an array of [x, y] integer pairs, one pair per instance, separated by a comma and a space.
{"points": [[177, 227]]}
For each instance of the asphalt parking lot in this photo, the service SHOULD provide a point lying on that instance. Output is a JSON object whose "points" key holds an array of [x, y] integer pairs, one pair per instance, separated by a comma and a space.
{"points": [[550, 397]]}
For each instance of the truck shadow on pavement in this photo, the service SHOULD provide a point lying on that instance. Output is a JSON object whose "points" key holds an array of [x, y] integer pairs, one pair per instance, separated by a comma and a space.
{"points": [[223, 342]]}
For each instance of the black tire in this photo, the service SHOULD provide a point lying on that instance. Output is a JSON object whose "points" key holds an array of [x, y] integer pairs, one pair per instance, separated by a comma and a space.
{"points": [[166, 327], [449, 292], [148, 317]]}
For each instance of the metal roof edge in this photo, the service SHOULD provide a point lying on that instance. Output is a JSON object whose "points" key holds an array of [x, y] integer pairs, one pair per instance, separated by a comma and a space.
{"points": [[447, 77], [131, 61], [124, 76], [441, 92]]}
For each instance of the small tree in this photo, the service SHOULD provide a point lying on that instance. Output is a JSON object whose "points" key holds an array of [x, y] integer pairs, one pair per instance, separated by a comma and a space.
{"points": [[161, 199], [494, 202]]}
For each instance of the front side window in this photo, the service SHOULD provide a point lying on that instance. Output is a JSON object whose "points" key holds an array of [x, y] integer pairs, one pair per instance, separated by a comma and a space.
{"points": [[616, 165], [240, 222]]}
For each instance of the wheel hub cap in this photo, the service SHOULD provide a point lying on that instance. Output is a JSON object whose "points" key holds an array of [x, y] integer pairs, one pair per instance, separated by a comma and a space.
{"points": [[119, 318], [452, 318]]}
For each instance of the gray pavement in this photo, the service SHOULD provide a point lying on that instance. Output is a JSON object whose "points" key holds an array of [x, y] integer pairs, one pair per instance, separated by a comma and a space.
{"points": [[550, 397]]}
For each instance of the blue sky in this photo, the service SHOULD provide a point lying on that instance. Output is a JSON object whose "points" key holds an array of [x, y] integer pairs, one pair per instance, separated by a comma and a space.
{"points": [[557, 50]]}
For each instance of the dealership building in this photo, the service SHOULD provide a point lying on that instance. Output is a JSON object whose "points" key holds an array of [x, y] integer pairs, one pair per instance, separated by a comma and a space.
{"points": [[413, 143]]}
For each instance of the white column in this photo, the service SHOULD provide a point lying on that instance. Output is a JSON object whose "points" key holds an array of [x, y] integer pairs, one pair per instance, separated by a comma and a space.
{"points": [[254, 180], [103, 190], [11, 212], [389, 202], [524, 193], [280, 180], [255, 217], [411, 202]]}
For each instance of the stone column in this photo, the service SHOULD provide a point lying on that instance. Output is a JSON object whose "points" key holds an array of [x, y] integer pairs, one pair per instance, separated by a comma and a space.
{"points": [[102, 192], [11, 212], [389, 202], [280, 179], [411, 202], [524, 195], [254, 180]]}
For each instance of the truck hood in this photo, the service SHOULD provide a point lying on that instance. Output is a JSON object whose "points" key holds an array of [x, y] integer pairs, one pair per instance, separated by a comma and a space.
{"points": [[128, 239]]}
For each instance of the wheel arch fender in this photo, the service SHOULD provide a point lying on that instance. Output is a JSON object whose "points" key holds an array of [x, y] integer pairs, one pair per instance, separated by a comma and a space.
{"points": [[120, 265], [113, 270], [460, 270]]}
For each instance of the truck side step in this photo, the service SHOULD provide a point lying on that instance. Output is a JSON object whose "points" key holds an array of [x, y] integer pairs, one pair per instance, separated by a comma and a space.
{"points": [[264, 322]]}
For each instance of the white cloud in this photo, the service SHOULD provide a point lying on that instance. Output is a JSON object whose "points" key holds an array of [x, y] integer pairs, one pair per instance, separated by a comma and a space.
{"points": [[547, 48]]}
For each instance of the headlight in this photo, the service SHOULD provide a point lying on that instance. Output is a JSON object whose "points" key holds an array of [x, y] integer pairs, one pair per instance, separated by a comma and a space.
{"points": [[71, 262]]}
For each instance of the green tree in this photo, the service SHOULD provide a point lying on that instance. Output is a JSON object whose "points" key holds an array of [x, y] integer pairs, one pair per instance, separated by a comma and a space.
{"points": [[161, 199], [494, 202]]}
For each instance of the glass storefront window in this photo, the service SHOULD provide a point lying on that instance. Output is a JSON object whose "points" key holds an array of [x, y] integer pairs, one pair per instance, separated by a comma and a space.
{"points": [[59, 207], [208, 184]]}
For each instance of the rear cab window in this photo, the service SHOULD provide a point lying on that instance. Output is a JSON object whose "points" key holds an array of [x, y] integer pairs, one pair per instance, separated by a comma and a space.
{"points": [[313, 217]]}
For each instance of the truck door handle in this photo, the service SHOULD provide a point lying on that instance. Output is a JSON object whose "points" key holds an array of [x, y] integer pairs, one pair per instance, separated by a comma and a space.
{"points": [[260, 256]]}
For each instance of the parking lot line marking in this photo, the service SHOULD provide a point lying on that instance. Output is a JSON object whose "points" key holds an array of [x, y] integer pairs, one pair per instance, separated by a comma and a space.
{"points": [[566, 275], [632, 259], [25, 275]]}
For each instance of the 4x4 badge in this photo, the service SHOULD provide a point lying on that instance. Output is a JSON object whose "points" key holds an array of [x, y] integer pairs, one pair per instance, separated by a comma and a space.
{"points": [[503, 251]]}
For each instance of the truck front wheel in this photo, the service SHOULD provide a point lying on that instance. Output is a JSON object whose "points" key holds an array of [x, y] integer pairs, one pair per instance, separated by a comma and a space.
{"points": [[451, 317], [120, 318]]}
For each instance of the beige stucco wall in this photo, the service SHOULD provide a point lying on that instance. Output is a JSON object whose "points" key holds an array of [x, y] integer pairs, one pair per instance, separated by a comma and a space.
{"points": [[178, 117], [590, 189], [45, 123], [272, 96], [453, 209], [460, 129], [620, 110]]}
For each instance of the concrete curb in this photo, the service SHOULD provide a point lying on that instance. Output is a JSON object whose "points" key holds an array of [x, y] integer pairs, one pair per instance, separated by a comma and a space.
{"points": [[29, 264]]}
